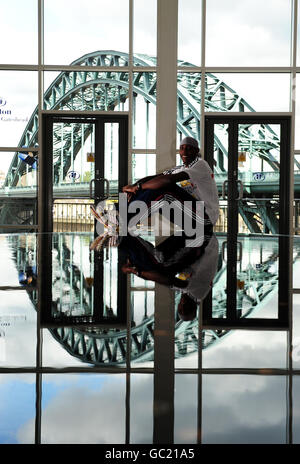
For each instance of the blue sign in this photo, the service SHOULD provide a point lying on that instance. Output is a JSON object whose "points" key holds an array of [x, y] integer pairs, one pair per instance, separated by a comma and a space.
{"points": [[28, 158], [259, 176], [73, 175]]}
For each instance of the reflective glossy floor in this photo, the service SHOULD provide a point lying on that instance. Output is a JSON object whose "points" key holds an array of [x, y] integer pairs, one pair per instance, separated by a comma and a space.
{"points": [[113, 352]]}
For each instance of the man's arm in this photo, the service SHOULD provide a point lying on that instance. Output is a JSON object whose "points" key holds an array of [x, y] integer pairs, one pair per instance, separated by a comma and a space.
{"points": [[132, 188], [145, 179], [156, 182], [162, 278], [163, 181]]}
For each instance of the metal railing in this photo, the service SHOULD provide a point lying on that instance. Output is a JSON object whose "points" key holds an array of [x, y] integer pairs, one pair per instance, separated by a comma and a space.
{"points": [[70, 215]]}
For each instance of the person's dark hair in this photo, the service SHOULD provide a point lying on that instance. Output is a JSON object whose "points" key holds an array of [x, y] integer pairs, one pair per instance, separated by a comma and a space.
{"points": [[187, 308]]}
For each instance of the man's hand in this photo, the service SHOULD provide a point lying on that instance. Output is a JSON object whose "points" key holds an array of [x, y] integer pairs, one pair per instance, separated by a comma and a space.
{"points": [[128, 268], [130, 190]]}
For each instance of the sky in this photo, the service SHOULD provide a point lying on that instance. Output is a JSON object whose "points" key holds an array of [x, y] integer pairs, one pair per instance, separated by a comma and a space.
{"points": [[247, 409], [252, 33], [236, 36]]}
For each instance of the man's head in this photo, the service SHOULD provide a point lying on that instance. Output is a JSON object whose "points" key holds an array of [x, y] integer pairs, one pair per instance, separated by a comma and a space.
{"points": [[189, 150], [187, 308]]}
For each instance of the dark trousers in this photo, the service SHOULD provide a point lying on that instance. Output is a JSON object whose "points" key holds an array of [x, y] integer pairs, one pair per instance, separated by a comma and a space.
{"points": [[176, 256], [169, 194]]}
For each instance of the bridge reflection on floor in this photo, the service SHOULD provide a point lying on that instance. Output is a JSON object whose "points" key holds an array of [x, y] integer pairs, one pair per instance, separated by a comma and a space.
{"points": [[101, 305], [154, 365]]}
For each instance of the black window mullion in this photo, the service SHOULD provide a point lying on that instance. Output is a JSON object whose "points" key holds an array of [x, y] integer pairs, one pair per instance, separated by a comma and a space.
{"points": [[232, 222]]}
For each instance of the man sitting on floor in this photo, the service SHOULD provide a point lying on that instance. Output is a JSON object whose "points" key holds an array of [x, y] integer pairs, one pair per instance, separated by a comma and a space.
{"points": [[196, 183]]}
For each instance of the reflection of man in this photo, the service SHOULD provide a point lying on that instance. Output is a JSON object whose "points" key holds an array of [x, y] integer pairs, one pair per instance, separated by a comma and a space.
{"points": [[196, 183], [191, 271], [187, 308], [200, 273]]}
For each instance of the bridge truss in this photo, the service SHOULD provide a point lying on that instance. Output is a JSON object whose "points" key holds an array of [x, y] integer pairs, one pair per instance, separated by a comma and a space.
{"points": [[108, 347], [109, 91]]}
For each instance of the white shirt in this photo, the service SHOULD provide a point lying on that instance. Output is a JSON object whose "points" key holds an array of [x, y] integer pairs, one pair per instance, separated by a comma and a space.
{"points": [[201, 273], [201, 185]]}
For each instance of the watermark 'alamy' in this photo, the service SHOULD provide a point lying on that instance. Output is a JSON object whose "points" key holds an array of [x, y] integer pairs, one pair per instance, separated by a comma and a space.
{"points": [[189, 221]]}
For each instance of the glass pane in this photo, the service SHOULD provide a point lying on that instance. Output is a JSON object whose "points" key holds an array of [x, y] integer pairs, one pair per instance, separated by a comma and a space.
{"points": [[296, 211], [17, 409], [18, 114], [142, 330], [74, 168], [297, 117], [88, 91], [102, 26], [244, 349], [99, 400], [18, 188], [247, 92], [186, 337], [110, 281], [141, 408], [87, 313], [144, 32], [258, 205], [296, 330], [258, 174], [185, 401], [137, 282], [221, 172], [246, 409], [257, 277], [189, 32], [188, 105], [18, 299], [144, 110], [17, 326], [73, 150], [143, 165], [72, 144], [71, 267], [219, 288], [20, 31], [17, 251], [72, 215], [296, 415], [111, 156], [143, 306], [298, 39], [58, 348], [256, 25], [296, 261], [142, 303]]}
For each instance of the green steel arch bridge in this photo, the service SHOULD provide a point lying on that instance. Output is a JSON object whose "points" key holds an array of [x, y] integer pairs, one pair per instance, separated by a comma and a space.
{"points": [[108, 91], [108, 347]]}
